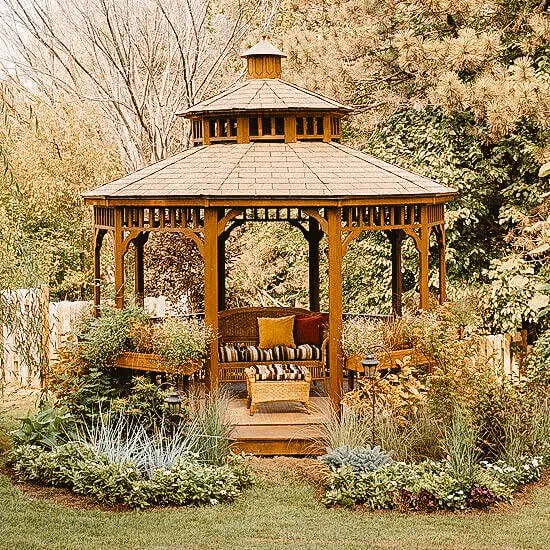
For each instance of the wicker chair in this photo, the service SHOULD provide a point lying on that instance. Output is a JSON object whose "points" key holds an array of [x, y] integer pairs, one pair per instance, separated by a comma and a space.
{"points": [[240, 327]]}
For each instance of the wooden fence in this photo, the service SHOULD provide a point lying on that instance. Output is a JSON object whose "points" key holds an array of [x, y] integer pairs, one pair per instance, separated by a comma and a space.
{"points": [[37, 328]]}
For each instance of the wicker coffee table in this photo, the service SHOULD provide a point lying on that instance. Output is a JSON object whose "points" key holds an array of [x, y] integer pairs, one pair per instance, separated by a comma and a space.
{"points": [[277, 383]]}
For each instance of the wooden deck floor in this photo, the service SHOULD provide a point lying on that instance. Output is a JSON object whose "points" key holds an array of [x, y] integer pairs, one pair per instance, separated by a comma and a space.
{"points": [[279, 428]]}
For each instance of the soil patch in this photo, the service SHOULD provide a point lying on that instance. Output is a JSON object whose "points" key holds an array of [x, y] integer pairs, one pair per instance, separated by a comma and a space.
{"points": [[58, 495]]}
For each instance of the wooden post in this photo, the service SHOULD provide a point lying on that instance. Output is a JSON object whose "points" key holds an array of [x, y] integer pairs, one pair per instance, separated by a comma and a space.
{"points": [[326, 128], [335, 253], [221, 271], [396, 238], [210, 253], [119, 259], [99, 234], [243, 131], [205, 131], [139, 279], [290, 129], [442, 265], [314, 237], [423, 260]]}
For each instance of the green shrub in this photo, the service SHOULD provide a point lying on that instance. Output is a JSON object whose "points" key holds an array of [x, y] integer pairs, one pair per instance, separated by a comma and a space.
{"points": [[513, 420], [527, 470], [460, 445], [45, 427], [101, 339], [89, 393], [192, 483], [538, 362], [362, 334], [361, 459], [348, 429], [145, 403], [78, 467], [55, 467], [427, 485], [122, 440], [418, 438], [178, 341], [209, 414]]}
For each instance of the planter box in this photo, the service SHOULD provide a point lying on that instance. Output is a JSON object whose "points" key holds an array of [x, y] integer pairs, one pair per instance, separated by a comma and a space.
{"points": [[155, 363], [353, 362]]}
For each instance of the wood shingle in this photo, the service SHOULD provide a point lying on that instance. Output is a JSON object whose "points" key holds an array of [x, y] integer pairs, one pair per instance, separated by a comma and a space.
{"points": [[303, 169]]}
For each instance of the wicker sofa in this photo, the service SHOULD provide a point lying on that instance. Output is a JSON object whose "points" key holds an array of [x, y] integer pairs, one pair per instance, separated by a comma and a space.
{"points": [[238, 341]]}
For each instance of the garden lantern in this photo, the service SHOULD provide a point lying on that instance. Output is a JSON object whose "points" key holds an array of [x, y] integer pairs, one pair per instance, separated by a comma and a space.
{"points": [[370, 366], [174, 401]]}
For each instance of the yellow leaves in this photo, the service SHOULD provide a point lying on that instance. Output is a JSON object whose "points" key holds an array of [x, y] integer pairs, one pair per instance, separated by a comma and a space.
{"points": [[538, 301], [518, 281]]}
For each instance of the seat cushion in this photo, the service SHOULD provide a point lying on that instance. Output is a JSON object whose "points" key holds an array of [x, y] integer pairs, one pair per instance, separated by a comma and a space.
{"points": [[305, 352], [278, 372], [229, 353]]}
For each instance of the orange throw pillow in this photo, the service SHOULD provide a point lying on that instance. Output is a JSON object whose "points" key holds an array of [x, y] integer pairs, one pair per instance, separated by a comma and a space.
{"points": [[276, 331]]}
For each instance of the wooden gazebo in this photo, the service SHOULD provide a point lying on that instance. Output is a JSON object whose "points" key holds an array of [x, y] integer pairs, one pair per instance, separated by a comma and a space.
{"points": [[268, 150]]}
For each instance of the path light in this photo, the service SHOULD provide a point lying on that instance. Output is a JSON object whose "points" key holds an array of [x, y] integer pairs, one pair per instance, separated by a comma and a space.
{"points": [[174, 401], [370, 367]]}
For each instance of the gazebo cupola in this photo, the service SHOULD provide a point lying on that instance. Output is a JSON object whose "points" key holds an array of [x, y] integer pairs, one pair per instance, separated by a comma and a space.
{"points": [[266, 108], [263, 60]]}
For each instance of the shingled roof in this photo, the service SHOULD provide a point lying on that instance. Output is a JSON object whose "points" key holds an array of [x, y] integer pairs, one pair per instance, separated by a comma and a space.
{"points": [[271, 170], [261, 94]]}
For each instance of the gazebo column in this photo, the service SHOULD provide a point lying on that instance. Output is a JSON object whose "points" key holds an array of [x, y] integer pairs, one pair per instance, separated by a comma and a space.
{"points": [[139, 275], [210, 256], [423, 267], [442, 246], [98, 241], [396, 237], [335, 254], [314, 238], [221, 271], [120, 253]]}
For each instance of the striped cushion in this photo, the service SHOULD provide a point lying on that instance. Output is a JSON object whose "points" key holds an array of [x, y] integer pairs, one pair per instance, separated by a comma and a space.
{"points": [[278, 372], [229, 353], [305, 352], [255, 353]]}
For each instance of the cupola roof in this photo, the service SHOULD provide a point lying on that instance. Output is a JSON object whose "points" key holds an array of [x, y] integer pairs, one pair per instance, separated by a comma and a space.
{"points": [[264, 90], [263, 47]]}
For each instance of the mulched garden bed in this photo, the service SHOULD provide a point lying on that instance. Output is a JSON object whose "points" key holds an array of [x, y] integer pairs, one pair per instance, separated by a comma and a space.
{"points": [[272, 469]]}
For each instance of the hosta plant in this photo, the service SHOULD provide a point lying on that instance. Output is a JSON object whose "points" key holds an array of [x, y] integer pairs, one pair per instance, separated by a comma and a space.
{"points": [[360, 460]]}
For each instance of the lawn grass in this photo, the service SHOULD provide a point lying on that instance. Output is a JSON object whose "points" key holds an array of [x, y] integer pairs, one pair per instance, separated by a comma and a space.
{"points": [[280, 511], [276, 513]]}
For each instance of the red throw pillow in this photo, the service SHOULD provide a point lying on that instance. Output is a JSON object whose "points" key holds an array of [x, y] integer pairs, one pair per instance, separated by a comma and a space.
{"points": [[308, 329]]}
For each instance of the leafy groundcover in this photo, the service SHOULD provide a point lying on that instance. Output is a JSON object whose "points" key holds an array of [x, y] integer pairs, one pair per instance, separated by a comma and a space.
{"points": [[428, 485], [76, 466]]}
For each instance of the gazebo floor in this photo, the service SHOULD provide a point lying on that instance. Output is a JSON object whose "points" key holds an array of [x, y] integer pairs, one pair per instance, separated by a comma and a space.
{"points": [[279, 428]]}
